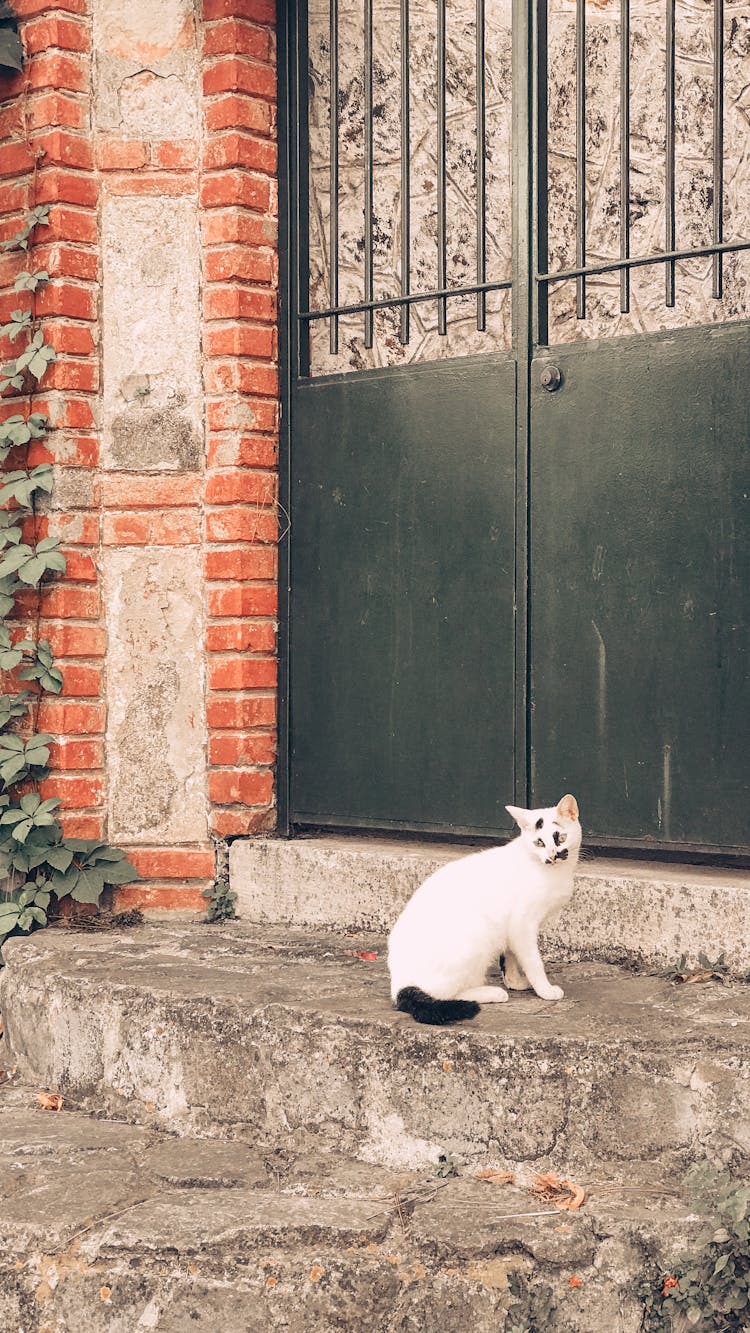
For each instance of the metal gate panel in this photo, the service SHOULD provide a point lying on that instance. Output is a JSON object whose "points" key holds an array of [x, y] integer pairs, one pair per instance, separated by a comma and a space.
{"points": [[639, 590], [402, 570], [638, 481], [516, 571]]}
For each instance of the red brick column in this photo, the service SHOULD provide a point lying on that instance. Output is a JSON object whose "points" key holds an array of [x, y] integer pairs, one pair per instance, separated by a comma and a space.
{"points": [[229, 509], [239, 199]]}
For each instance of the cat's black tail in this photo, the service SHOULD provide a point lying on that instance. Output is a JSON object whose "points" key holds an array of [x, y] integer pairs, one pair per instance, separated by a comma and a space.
{"points": [[422, 1007]]}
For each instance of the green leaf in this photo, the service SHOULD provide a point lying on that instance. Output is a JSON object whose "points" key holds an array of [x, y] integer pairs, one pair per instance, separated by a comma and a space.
{"points": [[52, 681], [89, 887], [13, 706], [22, 830], [40, 361], [63, 884], [11, 742], [37, 424], [12, 816], [30, 802], [11, 768], [28, 282], [12, 560], [42, 899], [122, 872], [37, 757], [56, 560], [31, 572], [59, 857]]}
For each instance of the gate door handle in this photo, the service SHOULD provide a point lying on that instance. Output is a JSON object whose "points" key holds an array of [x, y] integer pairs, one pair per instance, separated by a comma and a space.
{"points": [[551, 378]]}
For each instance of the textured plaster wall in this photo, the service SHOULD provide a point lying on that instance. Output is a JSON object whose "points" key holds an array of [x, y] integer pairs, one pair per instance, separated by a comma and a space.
{"points": [[152, 408], [694, 180], [146, 75], [155, 734], [146, 82]]}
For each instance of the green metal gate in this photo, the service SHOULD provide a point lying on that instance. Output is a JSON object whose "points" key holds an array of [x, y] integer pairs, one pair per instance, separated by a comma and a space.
{"points": [[517, 561]]}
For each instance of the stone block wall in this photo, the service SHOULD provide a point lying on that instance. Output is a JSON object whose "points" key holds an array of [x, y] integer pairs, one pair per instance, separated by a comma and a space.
{"points": [[152, 129]]}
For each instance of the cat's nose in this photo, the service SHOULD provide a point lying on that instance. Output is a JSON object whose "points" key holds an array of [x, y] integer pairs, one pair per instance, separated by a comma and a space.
{"points": [[551, 859]]}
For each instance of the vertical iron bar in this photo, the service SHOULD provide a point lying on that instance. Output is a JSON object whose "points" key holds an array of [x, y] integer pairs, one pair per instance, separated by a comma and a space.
{"points": [[300, 110], [718, 146], [669, 187], [441, 170], [580, 155], [333, 244], [540, 180], [369, 324], [405, 173], [624, 153], [481, 172]]}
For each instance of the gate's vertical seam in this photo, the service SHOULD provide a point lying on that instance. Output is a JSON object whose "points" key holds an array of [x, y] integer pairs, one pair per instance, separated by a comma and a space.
{"points": [[287, 358], [522, 317]]}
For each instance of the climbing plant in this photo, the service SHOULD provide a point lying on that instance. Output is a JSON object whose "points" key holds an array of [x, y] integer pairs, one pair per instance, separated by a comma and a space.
{"points": [[38, 864]]}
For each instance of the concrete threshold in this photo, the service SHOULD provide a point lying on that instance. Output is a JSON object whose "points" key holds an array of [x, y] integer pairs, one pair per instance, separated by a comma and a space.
{"points": [[646, 913]]}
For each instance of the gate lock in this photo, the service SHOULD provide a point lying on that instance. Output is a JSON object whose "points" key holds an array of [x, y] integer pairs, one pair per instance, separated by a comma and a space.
{"points": [[551, 378]]}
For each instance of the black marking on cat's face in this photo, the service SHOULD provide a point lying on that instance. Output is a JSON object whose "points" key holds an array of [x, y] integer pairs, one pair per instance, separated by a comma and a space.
{"points": [[563, 855], [559, 837], [539, 824]]}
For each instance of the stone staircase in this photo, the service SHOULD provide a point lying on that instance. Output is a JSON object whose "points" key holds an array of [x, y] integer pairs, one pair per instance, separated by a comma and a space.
{"points": [[252, 1139]]}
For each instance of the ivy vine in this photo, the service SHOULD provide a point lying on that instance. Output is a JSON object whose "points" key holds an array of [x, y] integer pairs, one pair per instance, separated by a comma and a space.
{"points": [[39, 866]]}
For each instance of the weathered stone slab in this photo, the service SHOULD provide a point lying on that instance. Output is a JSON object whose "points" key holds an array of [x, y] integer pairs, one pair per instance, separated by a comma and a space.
{"points": [[151, 404], [312, 1056], [316, 1244], [650, 914], [155, 728]]}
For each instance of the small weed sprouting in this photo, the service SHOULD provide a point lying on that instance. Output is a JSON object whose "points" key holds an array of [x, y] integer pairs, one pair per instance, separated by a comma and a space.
{"points": [[708, 1288]]}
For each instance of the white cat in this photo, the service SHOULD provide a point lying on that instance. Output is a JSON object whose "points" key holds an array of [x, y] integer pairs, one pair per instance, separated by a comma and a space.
{"points": [[472, 910]]}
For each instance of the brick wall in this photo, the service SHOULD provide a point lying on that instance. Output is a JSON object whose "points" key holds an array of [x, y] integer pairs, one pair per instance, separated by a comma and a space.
{"points": [[195, 527]]}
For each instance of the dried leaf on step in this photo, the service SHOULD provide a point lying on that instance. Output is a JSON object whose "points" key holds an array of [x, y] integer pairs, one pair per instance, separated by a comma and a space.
{"points": [[560, 1193], [50, 1101], [497, 1177]]}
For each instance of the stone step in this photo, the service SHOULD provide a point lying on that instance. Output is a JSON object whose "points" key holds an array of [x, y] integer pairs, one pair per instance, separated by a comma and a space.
{"points": [[282, 1038], [646, 913], [113, 1228]]}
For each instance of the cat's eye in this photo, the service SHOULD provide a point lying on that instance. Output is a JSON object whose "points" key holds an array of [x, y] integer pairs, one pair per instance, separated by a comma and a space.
{"points": [[559, 838], [539, 842]]}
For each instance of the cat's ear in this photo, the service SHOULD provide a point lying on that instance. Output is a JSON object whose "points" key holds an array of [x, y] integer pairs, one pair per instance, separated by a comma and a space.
{"points": [[568, 808], [521, 816]]}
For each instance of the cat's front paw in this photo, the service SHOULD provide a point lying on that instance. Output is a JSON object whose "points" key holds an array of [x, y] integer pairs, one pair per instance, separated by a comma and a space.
{"points": [[551, 993]]}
